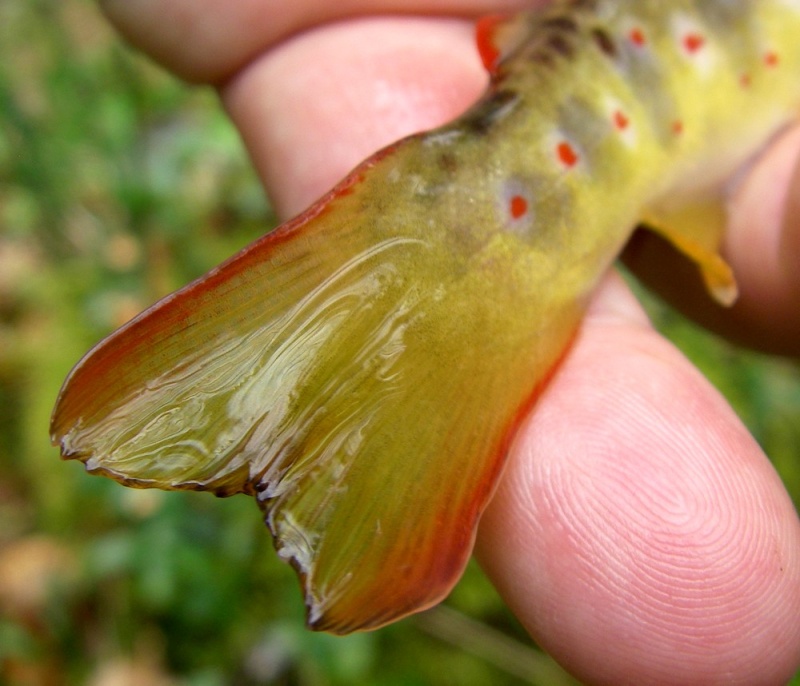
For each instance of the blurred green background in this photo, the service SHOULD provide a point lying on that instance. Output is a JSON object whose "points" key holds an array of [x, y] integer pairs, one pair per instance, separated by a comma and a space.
{"points": [[117, 185]]}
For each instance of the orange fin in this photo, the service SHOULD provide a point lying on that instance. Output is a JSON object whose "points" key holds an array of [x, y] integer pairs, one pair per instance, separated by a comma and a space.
{"points": [[696, 230]]}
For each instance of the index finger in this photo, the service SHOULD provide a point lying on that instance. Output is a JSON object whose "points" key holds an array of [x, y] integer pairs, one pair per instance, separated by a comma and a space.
{"points": [[209, 41]]}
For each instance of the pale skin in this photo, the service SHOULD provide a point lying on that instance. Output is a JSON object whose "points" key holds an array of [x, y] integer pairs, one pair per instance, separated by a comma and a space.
{"points": [[639, 532]]}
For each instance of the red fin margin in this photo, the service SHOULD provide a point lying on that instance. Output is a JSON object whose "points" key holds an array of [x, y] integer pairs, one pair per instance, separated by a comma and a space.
{"points": [[496, 35], [484, 38]]}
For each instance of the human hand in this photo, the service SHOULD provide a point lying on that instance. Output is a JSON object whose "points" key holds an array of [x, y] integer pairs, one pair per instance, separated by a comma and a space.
{"points": [[639, 532]]}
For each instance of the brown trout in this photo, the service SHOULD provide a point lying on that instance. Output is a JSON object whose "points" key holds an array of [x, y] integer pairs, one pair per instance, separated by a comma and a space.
{"points": [[361, 369]]}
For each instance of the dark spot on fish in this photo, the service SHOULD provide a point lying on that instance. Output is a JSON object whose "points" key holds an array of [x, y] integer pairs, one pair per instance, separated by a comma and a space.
{"points": [[604, 42], [448, 162], [564, 24], [480, 119], [560, 45], [583, 4], [543, 57]]}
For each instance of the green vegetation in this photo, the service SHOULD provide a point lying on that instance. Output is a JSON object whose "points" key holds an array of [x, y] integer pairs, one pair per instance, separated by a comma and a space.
{"points": [[117, 185]]}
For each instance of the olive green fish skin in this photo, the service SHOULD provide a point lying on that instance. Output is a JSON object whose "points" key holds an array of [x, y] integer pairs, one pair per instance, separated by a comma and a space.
{"points": [[361, 370], [693, 112]]}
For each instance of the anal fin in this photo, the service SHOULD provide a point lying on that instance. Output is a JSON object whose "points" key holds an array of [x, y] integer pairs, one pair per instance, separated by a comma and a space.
{"points": [[696, 229]]}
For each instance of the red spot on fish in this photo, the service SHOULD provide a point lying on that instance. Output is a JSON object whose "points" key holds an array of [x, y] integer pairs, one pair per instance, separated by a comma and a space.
{"points": [[485, 39], [745, 80], [518, 206], [621, 120], [771, 59], [693, 42], [677, 127], [566, 154], [637, 37]]}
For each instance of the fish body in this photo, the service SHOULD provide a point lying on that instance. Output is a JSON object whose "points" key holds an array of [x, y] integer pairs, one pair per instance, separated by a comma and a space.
{"points": [[361, 369]]}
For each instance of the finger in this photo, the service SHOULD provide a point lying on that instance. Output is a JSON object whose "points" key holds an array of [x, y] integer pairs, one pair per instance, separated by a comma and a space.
{"points": [[762, 244], [371, 83], [639, 532], [208, 40]]}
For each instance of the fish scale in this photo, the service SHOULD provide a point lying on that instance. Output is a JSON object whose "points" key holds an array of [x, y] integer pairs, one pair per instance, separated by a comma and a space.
{"points": [[361, 370]]}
